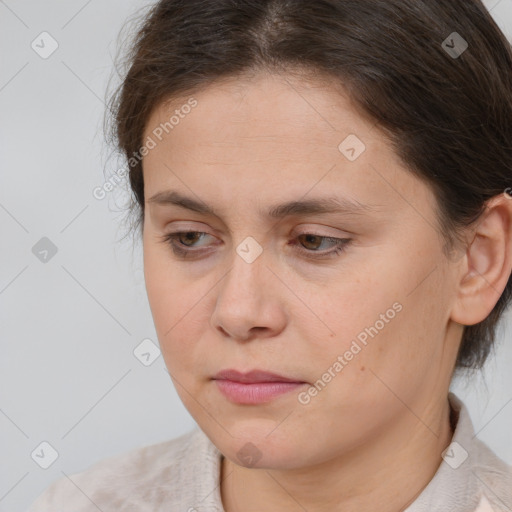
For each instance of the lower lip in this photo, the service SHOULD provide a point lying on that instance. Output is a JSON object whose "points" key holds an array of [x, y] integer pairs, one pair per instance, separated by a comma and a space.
{"points": [[255, 393]]}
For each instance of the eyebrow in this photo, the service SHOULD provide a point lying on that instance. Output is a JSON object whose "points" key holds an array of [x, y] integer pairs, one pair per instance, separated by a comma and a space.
{"points": [[330, 204]]}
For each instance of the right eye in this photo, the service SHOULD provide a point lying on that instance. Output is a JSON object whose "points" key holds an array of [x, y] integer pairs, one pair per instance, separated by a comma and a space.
{"points": [[179, 248]]}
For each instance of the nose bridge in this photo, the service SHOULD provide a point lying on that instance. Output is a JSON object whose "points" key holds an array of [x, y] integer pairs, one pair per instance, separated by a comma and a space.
{"points": [[247, 270], [243, 300]]}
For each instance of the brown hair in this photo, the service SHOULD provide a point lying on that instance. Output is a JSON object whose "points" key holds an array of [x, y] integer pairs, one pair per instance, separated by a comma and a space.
{"points": [[447, 115]]}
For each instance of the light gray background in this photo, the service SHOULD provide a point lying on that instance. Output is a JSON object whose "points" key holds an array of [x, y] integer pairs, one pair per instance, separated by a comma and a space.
{"points": [[68, 374]]}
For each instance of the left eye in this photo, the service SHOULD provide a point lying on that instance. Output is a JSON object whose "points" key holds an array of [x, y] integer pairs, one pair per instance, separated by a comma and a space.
{"points": [[182, 249], [309, 238], [339, 245]]}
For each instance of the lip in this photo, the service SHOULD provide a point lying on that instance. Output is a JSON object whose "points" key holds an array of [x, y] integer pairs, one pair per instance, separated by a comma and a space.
{"points": [[254, 387], [254, 376]]}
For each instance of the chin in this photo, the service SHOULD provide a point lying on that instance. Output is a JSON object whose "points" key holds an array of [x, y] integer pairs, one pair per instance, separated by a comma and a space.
{"points": [[258, 444]]}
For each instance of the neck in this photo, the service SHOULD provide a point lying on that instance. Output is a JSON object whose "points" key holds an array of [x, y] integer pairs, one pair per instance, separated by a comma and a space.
{"points": [[387, 473]]}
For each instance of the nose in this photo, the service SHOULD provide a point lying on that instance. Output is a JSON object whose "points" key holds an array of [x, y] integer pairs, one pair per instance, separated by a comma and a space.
{"points": [[249, 302]]}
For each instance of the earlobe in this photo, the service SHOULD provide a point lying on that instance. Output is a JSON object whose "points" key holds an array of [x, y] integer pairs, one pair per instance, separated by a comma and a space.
{"points": [[488, 264]]}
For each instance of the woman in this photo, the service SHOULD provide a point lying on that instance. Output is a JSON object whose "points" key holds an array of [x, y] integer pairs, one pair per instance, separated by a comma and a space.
{"points": [[323, 196]]}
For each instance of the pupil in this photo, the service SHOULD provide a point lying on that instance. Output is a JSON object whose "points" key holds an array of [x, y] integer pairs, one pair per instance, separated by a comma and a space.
{"points": [[309, 237], [190, 236]]}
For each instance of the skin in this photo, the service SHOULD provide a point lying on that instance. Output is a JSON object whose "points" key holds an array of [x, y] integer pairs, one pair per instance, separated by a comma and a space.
{"points": [[372, 438]]}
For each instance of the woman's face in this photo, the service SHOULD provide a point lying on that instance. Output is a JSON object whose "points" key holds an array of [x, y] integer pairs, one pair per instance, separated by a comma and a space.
{"points": [[364, 324]]}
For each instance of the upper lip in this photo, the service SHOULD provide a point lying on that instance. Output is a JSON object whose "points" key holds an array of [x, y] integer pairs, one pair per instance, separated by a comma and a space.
{"points": [[252, 376]]}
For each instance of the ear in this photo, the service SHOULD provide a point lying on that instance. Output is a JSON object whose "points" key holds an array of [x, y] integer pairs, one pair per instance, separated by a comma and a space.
{"points": [[487, 264]]}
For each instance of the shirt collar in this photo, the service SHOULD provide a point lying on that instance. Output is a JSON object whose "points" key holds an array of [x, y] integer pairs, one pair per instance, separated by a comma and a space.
{"points": [[470, 475]]}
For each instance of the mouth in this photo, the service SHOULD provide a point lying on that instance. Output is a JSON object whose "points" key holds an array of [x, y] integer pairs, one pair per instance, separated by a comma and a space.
{"points": [[254, 387]]}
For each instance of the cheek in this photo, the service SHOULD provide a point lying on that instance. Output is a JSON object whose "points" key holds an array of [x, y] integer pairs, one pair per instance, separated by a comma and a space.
{"points": [[406, 354], [161, 283], [175, 304], [348, 308], [379, 319]]}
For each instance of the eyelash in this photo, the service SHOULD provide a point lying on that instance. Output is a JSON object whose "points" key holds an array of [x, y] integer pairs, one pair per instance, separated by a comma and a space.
{"points": [[341, 243]]}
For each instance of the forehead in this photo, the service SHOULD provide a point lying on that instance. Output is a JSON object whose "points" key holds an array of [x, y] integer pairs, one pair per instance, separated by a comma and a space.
{"points": [[266, 106], [277, 135]]}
